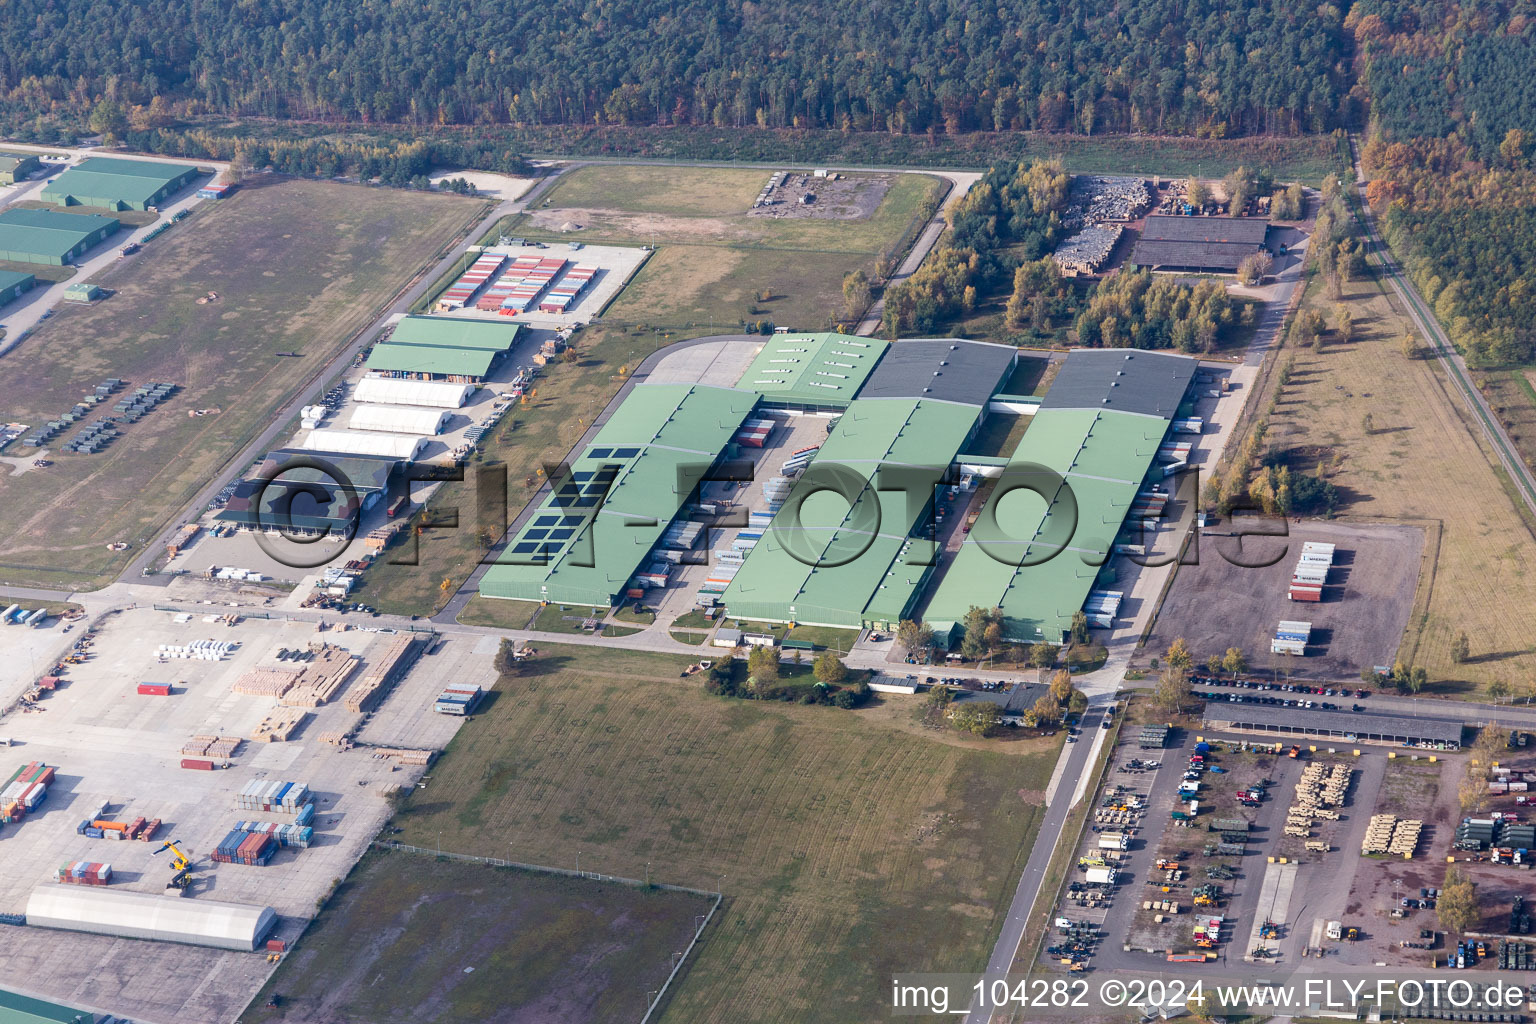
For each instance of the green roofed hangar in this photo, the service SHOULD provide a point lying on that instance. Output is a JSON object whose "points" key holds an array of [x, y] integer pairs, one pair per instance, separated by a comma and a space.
{"points": [[1100, 429], [51, 237], [812, 372], [16, 167], [115, 184], [593, 533], [862, 556], [442, 348]]}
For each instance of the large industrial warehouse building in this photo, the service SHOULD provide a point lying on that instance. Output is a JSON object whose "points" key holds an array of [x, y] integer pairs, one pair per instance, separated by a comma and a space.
{"points": [[1098, 431], [399, 391], [593, 532], [50, 237], [141, 915], [1212, 244], [116, 184], [310, 493], [918, 409]]}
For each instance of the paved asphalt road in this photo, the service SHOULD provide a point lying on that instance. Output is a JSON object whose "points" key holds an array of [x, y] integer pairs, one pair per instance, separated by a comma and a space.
{"points": [[1007, 948]]}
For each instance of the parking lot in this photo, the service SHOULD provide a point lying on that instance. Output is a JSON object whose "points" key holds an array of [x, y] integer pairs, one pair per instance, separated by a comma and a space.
{"points": [[1225, 812], [1217, 604], [113, 745]]}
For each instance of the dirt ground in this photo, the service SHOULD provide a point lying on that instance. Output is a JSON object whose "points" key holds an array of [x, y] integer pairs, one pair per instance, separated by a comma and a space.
{"points": [[1216, 604], [843, 199]]}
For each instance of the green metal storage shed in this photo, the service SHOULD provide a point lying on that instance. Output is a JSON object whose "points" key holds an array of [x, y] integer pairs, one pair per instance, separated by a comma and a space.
{"points": [[116, 184], [51, 237]]}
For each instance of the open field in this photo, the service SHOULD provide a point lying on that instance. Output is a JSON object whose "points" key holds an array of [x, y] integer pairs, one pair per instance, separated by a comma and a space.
{"points": [[674, 191], [709, 206], [880, 848], [411, 939], [1419, 462], [298, 266]]}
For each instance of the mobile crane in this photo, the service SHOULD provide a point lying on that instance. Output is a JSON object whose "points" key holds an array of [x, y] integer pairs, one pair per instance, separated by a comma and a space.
{"points": [[181, 866]]}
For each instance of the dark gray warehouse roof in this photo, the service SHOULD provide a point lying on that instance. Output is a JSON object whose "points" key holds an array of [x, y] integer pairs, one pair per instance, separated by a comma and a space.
{"points": [[1364, 724], [944, 370], [1133, 380], [1212, 243], [1249, 230]]}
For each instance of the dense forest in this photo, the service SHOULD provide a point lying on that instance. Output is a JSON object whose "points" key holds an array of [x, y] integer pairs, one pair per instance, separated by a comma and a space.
{"points": [[952, 66], [1438, 67], [1466, 233]]}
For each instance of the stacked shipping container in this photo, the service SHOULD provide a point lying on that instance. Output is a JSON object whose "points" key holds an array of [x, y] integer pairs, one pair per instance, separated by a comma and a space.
{"points": [[491, 300], [288, 799], [25, 790], [1311, 572], [294, 836], [457, 700], [84, 872], [524, 294], [463, 291], [563, 294], [1291, 638], [251, 848]]}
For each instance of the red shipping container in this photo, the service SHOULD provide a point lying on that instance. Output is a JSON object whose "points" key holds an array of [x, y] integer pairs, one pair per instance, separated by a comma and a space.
{"points": [[150, 830], [276, 945], [199, 764], [1306, 595], [155, 689]]}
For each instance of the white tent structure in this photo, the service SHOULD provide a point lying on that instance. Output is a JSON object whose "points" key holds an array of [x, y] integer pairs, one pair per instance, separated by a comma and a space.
{"points": [[140, 915], [399, 419], [435, 394], [350, 442]]}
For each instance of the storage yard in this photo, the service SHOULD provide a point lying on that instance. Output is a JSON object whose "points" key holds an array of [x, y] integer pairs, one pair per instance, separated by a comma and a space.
{"points": [[309, 291], [1357, 613], [1209, 843], [161, 740], [555, 285]]}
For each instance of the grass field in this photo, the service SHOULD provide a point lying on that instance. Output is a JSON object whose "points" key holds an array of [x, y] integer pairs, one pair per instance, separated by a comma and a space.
{"points": [[395, 941], [849, 845], [693, 285], [298, 266], [1420, 461]]}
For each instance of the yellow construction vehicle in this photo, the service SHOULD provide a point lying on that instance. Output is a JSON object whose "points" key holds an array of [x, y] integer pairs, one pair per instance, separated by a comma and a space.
{"points": [[181, 865]]}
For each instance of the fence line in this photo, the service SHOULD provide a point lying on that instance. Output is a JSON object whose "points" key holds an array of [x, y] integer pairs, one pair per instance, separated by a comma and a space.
{"points": [[594, 876]]}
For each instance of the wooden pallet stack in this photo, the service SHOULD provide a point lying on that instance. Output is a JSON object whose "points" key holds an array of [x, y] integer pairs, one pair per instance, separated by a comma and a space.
{"points": [[320, 680], [267, 682]]}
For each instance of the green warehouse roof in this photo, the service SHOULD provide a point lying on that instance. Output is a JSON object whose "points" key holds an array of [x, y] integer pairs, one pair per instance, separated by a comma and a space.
{"points": [[11, 280], [455, 332], [1100, 435], [795, 575], [10, 161], [135, 182], [16, 1008], [595, 531], [48, 233], [812, 369], [431, 359]]}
